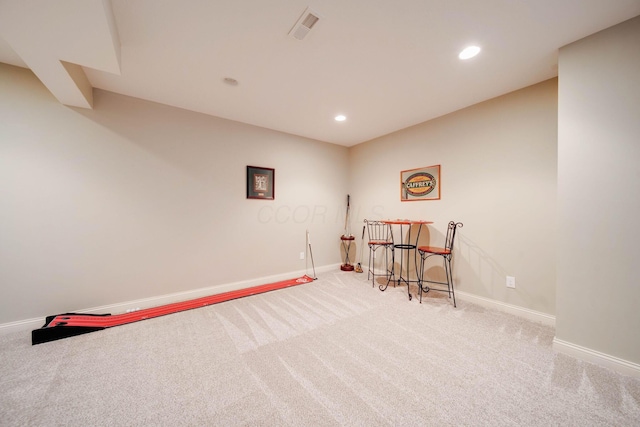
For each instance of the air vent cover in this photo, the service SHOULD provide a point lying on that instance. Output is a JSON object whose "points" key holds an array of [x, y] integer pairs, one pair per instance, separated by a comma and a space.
{"points": [[306, 22]]}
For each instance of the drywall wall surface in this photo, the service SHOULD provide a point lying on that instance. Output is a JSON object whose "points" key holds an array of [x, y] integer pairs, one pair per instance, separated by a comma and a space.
{"points": [[133, 199], [498, 177], [598, 291]]}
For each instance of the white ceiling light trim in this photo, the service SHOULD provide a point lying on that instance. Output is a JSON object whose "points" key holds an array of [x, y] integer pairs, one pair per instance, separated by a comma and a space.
{"points": [[469, 52], [340, 118]]}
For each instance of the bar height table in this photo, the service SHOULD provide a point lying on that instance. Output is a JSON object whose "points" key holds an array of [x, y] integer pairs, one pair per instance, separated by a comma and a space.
{"points": [[406, 246]]}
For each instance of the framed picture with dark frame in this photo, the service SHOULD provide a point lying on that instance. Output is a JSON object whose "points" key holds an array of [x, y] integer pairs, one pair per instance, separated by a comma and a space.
{"points": [[420, 184], [260, 183]]}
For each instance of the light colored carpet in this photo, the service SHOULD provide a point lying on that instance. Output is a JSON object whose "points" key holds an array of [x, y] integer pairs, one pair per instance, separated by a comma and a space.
{"points": [[332, 352]]}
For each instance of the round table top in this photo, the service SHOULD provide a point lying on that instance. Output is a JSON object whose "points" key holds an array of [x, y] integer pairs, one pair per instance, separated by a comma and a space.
{"points": [[406, 221]]}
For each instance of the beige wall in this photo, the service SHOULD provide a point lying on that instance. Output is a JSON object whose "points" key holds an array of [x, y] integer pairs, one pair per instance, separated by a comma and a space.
{"points": [[134, 199], [498, 177], [598, 290]]}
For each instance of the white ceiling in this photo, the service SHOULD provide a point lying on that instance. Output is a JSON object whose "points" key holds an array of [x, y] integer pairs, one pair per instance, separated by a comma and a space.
{"points": [[385, 64]]}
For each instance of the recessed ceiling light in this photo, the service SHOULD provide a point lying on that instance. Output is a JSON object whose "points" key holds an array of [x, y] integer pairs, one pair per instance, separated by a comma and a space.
{"points": [[230, 81], [469, 52], [340, 118]]}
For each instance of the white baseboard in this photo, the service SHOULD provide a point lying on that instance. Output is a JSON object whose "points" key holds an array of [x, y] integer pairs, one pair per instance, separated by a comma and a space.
{"points": [[526, 313], [21, 325], [31, 324], [616, 364], [621, 366]]}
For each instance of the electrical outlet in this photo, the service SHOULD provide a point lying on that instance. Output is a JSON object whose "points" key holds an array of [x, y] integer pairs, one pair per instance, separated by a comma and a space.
{"points": [[301, 255], [511, 282]]}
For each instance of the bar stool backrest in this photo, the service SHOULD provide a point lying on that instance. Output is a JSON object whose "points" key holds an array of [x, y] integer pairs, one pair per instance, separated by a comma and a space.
{"points": [[379, 233], [451, 234]]}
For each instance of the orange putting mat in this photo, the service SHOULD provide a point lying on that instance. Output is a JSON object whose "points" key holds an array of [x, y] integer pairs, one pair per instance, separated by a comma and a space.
{"points": [[71, 324]]}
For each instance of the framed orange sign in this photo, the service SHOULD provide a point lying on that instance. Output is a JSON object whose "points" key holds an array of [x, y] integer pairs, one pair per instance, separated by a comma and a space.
{"points": [[420, 184]]}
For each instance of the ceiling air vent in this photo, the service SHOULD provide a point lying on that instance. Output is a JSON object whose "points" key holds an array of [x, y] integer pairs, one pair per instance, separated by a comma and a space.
{"points": [[306, 22]]}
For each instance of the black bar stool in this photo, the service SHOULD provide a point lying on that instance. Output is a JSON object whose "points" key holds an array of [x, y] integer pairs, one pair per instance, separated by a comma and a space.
{"points": [[446, 253], [380, 236]]}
